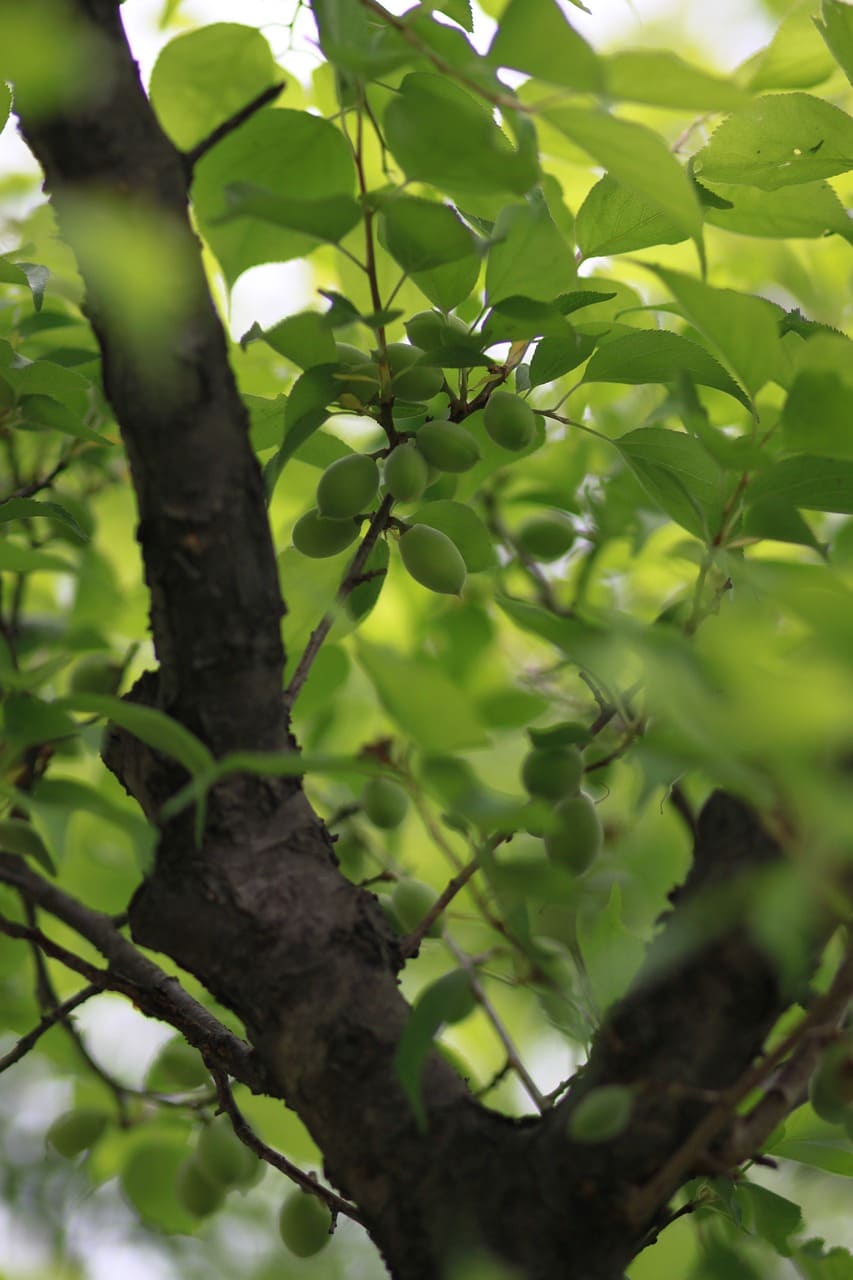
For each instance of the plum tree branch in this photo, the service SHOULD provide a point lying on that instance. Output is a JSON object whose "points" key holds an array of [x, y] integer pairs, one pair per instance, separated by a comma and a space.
{"points": [[58, 1014], [129, 972]]}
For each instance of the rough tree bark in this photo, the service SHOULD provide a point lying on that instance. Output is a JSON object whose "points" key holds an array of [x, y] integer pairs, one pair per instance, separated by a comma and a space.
{"points": [[260, 912]]}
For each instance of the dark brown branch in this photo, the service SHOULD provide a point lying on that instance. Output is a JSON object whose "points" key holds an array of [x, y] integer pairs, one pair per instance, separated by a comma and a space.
{"points": [[192, 157]]}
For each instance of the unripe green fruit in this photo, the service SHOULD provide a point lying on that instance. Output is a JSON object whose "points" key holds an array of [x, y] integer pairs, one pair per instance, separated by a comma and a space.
{"points": [[318, 536], [358, 376], [412, 900], [406, 473], [602, 1114], [94, 675], [76, 1131], [409, 380], [831, 1086], [221, 1155], [196, 1192], [430, 329], [509, 420], [348, 354], [433, 560], [347, 487], [455, 996], [304, 1224], [577, 838], [384, 802], [178, 1065], [447, 446], [547, 536], [418, 384], [552, 773]]}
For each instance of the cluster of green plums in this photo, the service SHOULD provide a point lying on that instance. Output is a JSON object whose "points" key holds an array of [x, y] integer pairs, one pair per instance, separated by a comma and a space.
{"points": [[219, 1163], [573, 837], [349, 486]]}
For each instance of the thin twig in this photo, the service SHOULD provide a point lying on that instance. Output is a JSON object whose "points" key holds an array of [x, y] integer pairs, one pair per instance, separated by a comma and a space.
{"points": [[58, 1014], [49, 1001], [412, 941], [513, 1056], [247, 1135], [192, 157], [351, 579], [44, 482], [155, 993]]}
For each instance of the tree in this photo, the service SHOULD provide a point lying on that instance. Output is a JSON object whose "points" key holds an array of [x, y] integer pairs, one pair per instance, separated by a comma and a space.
{"points": [[573, 518]]}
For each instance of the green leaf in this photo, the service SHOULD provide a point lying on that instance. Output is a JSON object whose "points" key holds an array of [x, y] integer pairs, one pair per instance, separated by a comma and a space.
{"points": [[777, 521], [438, 133], [555, 357], [291, 154], [796, 57], [5, 103], [517, 318], [652, 355], [818, 413], [28, 721], [448, 285], [29, 274], [535, 37], [769, 1215], [46, 414], [305, 339], [814, 1262], [819, 1155], [616, 219], [637, 158], [835, 24], [44, 378], [306, 406], [419, 695], [15, 559], [202, 78], [464, 527], [743, 329], [663, 79], [818, 484], [529, 255], [422, 234], [611, 953], [778, 141], [355, 41], [19, 837], [34, 508], [458, 10], [328, 219], [579, 640], [679, 474], [152, 727], [439, 1003], [808, 212]]}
